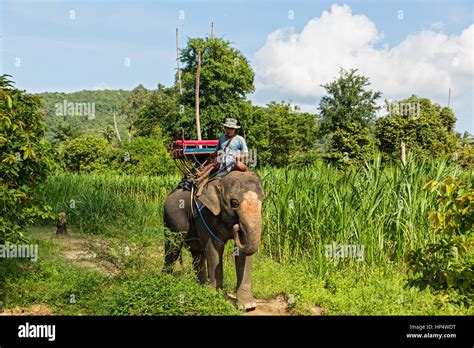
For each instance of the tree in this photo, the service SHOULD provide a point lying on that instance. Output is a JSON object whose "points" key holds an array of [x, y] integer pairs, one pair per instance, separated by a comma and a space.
{"points": [[164, 110], [109, 134], [279, 134], [137, 99], [348, 101], [226, 77], [354, 144], [64, 131], [85, 154], [23, 161], [144, 156], [429, 131], [347, 113]]}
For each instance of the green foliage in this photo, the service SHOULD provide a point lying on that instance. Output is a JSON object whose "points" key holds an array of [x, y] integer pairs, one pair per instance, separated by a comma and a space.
{"points": [[225, 79], [168, 295], [280, 135], [137, 98], [225, 73], [429, 133], [347, 102], [382, 208], [465, 155], [347, 113], [144, 156], [23, 160], [163, 110], [65, 131], [140, 156], [448, 263], [96, 203], [105, 103], [85, 154], [352, 145]]}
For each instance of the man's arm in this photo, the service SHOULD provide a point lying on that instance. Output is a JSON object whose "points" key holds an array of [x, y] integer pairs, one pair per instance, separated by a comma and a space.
{"points": [[242, 156], [218, 148]]}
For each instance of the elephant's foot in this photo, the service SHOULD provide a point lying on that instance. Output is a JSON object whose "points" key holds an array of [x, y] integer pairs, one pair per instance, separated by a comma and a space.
{"points": [[245, 301]]}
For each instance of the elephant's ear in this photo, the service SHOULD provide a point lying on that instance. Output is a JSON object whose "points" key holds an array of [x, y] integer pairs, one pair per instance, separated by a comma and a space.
{"points": [[210, 197]]}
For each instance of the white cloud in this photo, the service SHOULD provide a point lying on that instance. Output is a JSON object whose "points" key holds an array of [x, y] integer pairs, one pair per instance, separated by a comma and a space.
{"points": [[425, 63], [101, 86]]}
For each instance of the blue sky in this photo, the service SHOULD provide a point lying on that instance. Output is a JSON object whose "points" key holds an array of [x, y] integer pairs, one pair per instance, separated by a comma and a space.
{"points": [[44, 49]]}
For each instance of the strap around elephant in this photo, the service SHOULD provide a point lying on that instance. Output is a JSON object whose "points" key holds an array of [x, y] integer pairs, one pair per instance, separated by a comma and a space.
{"points": [[205, 224]]}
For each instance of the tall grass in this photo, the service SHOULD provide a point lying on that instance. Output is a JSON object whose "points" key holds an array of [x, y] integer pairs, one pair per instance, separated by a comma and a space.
{"points": [[380, 207], [100, 203]]}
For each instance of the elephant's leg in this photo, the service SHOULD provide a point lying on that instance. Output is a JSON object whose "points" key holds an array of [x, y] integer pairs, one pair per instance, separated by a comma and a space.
{"points": [[176, 212], [172, 253], [243, 266], [214, 264], [199, 265]]}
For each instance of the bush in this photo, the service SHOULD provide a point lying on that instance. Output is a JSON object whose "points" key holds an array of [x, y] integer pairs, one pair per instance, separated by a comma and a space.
{"points": [[85, 154], [352, 145], [167, 295], [448, 264], [429, 132], [144, 156], [23, 160]]}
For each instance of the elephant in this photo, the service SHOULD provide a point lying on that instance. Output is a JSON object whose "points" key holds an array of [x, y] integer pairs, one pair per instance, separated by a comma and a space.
{"points": [[229, 207]]}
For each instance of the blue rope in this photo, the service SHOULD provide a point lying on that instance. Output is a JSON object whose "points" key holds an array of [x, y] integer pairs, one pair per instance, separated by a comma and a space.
{"points": [[205, 225]]}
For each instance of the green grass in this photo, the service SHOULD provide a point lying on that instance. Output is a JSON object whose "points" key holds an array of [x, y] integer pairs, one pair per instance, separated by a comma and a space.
{"points": [[382, 208], [102, 203], [138, 287]]}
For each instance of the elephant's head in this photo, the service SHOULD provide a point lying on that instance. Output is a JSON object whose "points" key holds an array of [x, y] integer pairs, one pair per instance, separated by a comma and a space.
{"points": [[236, 200]]}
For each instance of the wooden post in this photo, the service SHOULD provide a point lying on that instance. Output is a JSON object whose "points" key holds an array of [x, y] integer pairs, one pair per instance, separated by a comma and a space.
{"points": [[116, 128], [212, 30], [61, 223], [177, 62], [198, 73], [404, 155]]}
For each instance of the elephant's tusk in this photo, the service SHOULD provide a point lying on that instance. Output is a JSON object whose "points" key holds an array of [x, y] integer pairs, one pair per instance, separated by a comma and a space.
{"points": [[235, 232]]}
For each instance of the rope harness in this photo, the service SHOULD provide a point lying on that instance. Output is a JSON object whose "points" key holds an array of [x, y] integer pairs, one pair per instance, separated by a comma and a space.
{"points": [[205, 224]]}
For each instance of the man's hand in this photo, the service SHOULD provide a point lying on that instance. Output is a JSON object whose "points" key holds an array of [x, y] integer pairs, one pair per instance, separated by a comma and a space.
{"points": [[241, 166]]}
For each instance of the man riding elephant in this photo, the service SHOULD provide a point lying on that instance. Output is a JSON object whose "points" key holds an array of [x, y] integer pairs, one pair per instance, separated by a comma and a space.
{"points": [[231, 150], [227, 206]]}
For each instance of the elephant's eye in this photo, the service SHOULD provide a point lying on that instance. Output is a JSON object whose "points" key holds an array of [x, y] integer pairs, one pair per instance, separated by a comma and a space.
{"points": [[234, 203]]}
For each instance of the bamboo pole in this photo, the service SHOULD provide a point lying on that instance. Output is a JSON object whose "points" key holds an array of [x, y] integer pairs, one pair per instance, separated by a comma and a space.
{"points": [[404, 155], [116, 128], [177, 62], [198, 73]]}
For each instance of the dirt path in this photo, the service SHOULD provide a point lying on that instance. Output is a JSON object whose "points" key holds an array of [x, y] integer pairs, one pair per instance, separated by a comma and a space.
{"points": [[37, 310], [278, 306], [83, 251]]}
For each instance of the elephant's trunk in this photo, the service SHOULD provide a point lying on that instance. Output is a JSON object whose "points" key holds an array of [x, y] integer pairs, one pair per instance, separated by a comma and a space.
{"points": [[247, 233]]}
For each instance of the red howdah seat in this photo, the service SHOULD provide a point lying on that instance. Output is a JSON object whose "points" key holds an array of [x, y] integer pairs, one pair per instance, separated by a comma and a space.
{"points": [[187, 149]]}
